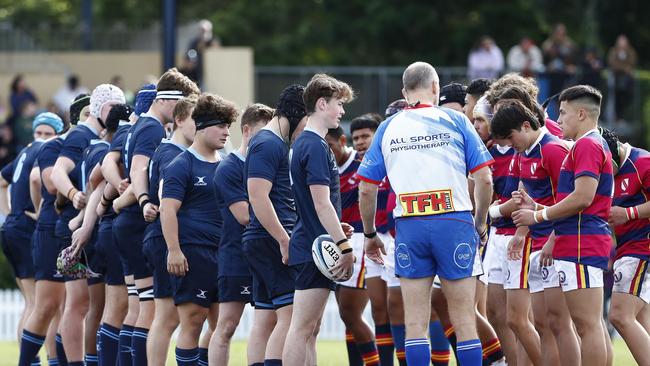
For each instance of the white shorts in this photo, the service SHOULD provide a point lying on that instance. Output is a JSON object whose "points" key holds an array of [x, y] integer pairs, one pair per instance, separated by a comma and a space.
{"points": [[495, 256], [516, 272], [373, 269], [549, 276], [631, 277], [574, 276], [388, 273], [535, 277], [358, 279]]}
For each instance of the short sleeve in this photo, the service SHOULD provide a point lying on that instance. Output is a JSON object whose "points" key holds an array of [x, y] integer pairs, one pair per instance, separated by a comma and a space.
{"points": [[477, 155], [176, 178], [372, 168], [230, 183], [47, 157], [264, 162], [118, 141], [315, 162], [148, 140], [588, 158], [8, 171], [73, 146], [643, 167], [554, 155]]}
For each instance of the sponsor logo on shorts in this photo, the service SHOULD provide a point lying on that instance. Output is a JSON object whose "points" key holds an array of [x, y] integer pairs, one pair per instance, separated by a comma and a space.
{"points": [[544, 273], [618, 276], [201, 294], [508, 275], [426, 203], [245, 290], [562, 277], [402, 255], [463, 255], [200, 181]]}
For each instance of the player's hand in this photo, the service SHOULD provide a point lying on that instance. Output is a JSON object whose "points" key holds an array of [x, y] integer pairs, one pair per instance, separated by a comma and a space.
{"points": [[284, 250], [79, 200], [124, 184], [75, 223], [523, 200], [118, 204], [348, 230], [523, 217], [80, 238], [546, 256], [150, 212], [617, 216], [177, 263], [31, 215], [342, 271], [375, 248], [515, 247]]}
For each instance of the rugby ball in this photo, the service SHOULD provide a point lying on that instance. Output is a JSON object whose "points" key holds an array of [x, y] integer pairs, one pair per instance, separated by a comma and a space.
{"points": [[326, 254]]}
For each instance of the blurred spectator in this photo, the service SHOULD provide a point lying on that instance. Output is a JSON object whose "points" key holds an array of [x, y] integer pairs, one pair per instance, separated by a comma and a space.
{"points": [[193, 66], [559, 55], [19, 94], [22, 129], [119, 82], [621, 60], [591, 67], [525, 58], [65, 96], [485, 60]]}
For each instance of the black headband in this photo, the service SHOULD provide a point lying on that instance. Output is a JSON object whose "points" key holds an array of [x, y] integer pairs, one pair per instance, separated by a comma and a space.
{"points": [[205, 122]]}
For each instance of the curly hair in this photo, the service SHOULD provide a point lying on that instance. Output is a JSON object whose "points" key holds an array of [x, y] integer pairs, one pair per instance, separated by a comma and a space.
{"points": [[509, 80], [213, 107]]}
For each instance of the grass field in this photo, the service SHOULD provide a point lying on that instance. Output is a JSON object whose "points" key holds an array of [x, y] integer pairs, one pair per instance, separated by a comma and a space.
{"points": [[330, 353]]}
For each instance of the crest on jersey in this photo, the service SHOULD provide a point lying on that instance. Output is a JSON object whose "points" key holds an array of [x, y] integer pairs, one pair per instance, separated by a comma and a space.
{"points": [[625, 183], [200, 181], [533, 168], [512, 164]]}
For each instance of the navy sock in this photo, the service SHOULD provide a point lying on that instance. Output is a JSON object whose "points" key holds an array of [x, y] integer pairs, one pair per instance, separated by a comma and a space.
{"points": [[257, 364], [124, 345], [36, 361], [369, 353], [109, 338], [399, 335], [53, 361], [60, 351], [417, 352], [470, 353], [91, 360], [139, 346], [203, 356], [30, 344], [354, 356], [385, 346], [272, 362], [187, 357], [76, 363], [439, 344]]}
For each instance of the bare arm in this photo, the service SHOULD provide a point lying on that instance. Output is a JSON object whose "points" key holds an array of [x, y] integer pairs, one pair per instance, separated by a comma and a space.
{"points": [[5, 206], [62, 168], [139, 177], [111, 168], [368, 205], [46, 177], [259, 189], [35, 189], [482, 196], [176, 262], [240, 211]]}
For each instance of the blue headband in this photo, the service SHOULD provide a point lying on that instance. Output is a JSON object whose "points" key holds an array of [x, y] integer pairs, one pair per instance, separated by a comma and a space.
{"points": [[50, 119]]}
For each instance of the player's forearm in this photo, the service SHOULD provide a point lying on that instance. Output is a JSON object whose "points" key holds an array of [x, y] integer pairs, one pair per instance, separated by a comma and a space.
{"points": [[569, 206], [641, 211], [127, 198], [4, 200], [111, 169], [482, 195], [169, 223], [368, 205], [507, 208], [139, 182], [35, 189], [61, 180], [90, 215], [330, 221], [265, 213]]}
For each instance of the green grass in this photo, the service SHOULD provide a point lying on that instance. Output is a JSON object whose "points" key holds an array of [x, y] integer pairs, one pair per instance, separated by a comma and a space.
{"points": [[330, 353]]}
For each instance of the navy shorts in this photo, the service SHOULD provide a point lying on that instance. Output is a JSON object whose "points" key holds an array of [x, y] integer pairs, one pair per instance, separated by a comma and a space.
{"points": [[128, 231], [270, 275], [45, 249], [235, 289], [17, 247], [309, 276], [443, 245], [199, 285], [155, 251], [95, 261], [106, 249]]}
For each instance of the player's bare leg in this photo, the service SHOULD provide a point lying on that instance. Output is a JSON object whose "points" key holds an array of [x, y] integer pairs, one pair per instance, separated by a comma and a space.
{"points": [[517, 319], [263, 324], [497, 315], [560, 323], [164, 324], [72, 322], [308, 307], [585, 306], [623, 314], [550, 355], [229, 315]]}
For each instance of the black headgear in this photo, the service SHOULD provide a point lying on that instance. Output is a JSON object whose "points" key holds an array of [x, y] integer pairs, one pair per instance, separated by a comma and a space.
{"points": [[81, 101], [291, 106]]}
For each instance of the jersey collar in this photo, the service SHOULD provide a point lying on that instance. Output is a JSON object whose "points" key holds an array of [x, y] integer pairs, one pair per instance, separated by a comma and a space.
{"points": [[238, 155], [89, 127], [542, 132], [353, 155], [419, 105], [595, 130]]}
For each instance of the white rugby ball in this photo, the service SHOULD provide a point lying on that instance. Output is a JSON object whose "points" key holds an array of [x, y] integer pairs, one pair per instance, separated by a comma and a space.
{"points": [[326, 254]]}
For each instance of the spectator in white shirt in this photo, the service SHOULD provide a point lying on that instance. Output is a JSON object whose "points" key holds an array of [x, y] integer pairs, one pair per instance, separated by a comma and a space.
{"points": [[485, 60], [526, 58]]}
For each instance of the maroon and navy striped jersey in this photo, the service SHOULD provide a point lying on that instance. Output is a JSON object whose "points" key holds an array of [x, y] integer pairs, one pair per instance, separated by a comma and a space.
{"points": [[505, 178]]}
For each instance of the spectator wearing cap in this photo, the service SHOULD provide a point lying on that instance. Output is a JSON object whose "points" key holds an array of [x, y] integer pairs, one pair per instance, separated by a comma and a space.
{"points": [[485, 60], [453, 96], [525, 58]]}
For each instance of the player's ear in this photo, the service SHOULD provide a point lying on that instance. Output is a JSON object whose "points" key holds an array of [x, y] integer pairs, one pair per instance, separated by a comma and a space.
{"points": [[343, 140]]}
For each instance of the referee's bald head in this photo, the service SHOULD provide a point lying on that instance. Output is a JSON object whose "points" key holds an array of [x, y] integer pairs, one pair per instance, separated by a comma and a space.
{"points": [[419, 75]]}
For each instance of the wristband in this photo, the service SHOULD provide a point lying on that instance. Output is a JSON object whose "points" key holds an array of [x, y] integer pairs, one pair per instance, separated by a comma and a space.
{"points": [[536, 206], [545, 214], [344, 246], [72, 189], [144, 194], [144, 203], [632, 213], [370, 235], [495, 212], [484, 233], [104, 202], [535, 217]]}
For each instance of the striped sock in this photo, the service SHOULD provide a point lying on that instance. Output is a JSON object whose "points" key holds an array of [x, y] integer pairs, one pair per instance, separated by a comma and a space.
{"points": [[109, 341], [187, 357], [354, 357], [76, 363], [53, 361], [60, 351], [399, 335], [272, 362], [369, 353], [470, 353], [36, 361], [30, 344], [257, 364], [124, 345], [385, 346], [492, 351], [203, 356], [139, 346], [450, 333], [440, 354], [417, 352], [91, 360]]}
